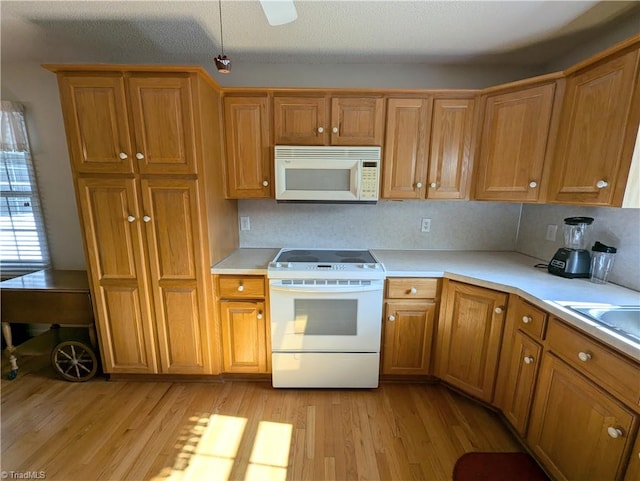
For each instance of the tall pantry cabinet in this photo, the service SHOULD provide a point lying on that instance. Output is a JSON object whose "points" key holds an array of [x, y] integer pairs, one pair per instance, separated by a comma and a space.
{"points": [[145, 153]]}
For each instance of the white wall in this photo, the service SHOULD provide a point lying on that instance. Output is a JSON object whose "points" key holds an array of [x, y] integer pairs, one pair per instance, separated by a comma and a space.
{"points": [[386, 225]]}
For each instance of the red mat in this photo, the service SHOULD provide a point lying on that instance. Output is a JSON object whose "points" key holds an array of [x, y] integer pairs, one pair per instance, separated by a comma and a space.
{"points": [[497, 467]]}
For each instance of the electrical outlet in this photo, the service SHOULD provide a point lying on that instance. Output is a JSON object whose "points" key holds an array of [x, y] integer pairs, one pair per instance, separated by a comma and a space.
{"points": [[245, 223], [552, 229], [425, 226]]}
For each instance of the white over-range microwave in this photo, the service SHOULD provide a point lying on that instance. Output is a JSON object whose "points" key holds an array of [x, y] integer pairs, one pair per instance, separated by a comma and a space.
{"points": [[327, 174]]}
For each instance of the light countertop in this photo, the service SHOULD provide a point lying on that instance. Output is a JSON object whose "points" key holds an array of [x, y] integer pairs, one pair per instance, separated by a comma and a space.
{"points": [[504, 271]]}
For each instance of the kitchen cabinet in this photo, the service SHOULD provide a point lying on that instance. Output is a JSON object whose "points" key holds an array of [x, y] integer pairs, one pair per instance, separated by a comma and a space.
{"points": [[326, 120], [410, 315], [597, 133], [101, 139], [577, 430], [516, 141], [244, 324], [469, 336], [520, 356], [633, 469], [247, 122], [144, 193], [428, 147]]}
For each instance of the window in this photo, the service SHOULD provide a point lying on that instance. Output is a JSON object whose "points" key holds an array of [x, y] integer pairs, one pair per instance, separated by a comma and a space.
{"points": [[23, 244]]}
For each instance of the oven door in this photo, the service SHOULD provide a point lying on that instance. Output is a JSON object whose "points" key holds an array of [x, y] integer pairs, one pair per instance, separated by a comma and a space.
{"points": [[326, 316]]}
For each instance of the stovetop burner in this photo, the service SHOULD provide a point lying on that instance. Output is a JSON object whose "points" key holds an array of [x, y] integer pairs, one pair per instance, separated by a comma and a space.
{"points": [[326, 256]]}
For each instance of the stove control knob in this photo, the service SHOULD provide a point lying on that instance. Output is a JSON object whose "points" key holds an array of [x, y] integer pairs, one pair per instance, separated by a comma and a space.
{"points": [[278, 264], [365, 266], [289, 265]]}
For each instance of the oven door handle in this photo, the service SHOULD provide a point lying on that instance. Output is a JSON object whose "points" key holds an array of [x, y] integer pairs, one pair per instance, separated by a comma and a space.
{"points": [[324, 289]]}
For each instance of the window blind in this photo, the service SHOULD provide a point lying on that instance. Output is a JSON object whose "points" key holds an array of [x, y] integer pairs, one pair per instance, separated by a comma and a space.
{"points": [[23, 243]]}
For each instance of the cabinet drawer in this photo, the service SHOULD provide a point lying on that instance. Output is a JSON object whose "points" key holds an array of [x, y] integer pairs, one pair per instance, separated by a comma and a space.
{"points": [[412, 288], [529, 318], [611, 371], [241, 287]]}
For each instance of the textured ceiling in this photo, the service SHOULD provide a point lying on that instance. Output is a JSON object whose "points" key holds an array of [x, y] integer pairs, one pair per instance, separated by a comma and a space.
{"points": [[326, 32]]}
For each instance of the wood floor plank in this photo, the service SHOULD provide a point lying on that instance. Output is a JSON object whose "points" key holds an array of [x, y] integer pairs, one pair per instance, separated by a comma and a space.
{"points": [[174, 431]]}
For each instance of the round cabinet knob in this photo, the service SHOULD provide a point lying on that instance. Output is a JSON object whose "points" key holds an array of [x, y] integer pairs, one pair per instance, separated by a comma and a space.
{"points": [[392, 318], [413, 290], [265, 183], [419, 185], [601, 184], [240, 288], [259, 316], [320, 130], [533, 184], [584, 356], [433, 185], [498, 310], [122, 155], [131, 218], [139, 156], [528, 359], [334, 130], [146, 218], [614, 432], [526, 319]]}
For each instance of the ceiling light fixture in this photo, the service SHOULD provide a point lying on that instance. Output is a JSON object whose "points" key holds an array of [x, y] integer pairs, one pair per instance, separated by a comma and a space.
{"points": [[223, 63]]}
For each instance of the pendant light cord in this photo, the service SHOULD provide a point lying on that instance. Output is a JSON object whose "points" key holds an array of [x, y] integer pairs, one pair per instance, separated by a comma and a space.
{"points": [[221, 37]]}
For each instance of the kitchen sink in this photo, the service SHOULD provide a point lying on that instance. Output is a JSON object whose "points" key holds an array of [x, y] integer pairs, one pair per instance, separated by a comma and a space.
{"points": [[625, 320]]}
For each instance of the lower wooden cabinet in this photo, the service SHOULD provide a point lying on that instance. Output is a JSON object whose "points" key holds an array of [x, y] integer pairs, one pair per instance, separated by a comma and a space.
{"points": [[409, 318], [633, 469], [244, 324], [244, 338], [469, 337], [578, 431], [522, 369]]}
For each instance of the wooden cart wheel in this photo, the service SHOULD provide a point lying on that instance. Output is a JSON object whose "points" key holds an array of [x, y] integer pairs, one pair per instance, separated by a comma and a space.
{"points": [[74, 361]]}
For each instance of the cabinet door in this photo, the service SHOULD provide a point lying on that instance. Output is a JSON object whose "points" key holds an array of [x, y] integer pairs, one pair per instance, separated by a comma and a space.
{"points": [[300, 120], [171, 218], [469, 336], [450, 151], [408, 332], [95, 116], [513, 148], [597, 132], [522, 370], [247, 136], [405, 150], [571, 424], [357, 121], [633, 469], [115, 246], [244, 339], [163, 124]]}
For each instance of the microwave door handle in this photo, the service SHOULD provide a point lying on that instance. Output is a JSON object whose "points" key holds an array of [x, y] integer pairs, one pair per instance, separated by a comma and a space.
{"points": [[324, 289]]}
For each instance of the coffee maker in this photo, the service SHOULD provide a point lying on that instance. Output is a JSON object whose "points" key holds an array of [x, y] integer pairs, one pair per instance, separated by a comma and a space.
{"points": [[573, 260]]}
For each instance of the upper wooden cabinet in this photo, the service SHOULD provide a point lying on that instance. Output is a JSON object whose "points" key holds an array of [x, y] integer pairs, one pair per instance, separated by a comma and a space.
{"points": [[247, 122], [160, 137], [321, 120], [514, 146], [469, 336], [428, 148], [597, 133]]}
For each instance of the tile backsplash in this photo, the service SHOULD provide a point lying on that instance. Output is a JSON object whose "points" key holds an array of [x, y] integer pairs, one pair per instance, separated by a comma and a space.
{"points": [[386, 225], [615, 227]]}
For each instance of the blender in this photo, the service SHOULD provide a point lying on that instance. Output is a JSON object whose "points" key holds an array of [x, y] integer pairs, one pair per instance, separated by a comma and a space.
{"points": [[573, 260]]}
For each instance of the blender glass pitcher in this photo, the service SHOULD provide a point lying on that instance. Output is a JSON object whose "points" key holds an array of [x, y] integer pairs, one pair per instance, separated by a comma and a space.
{"points": [[575, 230]]}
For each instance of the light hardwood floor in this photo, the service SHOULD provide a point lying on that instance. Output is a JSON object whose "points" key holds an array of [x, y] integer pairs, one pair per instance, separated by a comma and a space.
{"points": [[103, 430]]}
